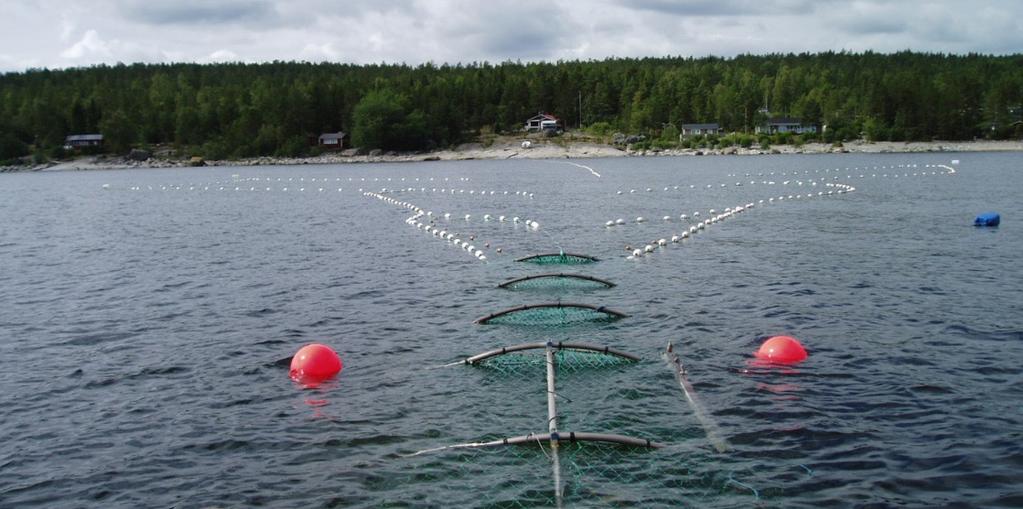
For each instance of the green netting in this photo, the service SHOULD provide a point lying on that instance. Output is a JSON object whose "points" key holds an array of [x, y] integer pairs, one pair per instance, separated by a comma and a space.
{"points": [[551, 315], [532, 362], [593, 474], [558, 259], [557, 282]]}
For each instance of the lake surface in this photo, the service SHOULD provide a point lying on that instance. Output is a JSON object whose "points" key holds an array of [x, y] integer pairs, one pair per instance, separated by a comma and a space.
{"points": [[147, 329]]}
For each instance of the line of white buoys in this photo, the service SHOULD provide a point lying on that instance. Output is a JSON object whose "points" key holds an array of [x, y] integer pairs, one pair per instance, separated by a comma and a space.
{"points": [[411, 179], [431, 228], [835, 188], [469, 218], [262, 178], [715, 217], [677, 238], [848, 171], [445, 190], [216, 188]]}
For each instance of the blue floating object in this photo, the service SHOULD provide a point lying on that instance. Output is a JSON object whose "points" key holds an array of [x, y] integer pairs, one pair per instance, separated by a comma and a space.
{"points": [[987, 219]]}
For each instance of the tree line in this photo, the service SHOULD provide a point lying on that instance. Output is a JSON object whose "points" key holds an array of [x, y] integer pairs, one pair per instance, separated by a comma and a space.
{"points": [[279, 108]]}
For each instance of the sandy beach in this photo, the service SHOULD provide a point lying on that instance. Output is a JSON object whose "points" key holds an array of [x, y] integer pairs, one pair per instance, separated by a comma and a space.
{"points": [[537, 150]]}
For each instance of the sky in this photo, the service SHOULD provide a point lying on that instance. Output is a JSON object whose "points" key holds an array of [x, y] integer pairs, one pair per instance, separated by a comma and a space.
{"points": [[73, 33]]}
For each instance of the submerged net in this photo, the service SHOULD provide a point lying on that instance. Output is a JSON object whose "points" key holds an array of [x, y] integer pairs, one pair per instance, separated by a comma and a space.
{"points": [[593, 474], [559, 259], [556, 282], [581, 470], [533, 363], [552, 314]]}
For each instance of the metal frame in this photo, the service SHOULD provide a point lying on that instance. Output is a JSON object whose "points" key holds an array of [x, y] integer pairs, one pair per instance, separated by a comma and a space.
{"points": [[601, 309], [604, 282], [556, 346], [588, 258]]}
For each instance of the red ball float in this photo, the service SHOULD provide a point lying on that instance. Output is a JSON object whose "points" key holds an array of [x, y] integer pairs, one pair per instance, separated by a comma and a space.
{"points": [[315, 362], [781, 350]]}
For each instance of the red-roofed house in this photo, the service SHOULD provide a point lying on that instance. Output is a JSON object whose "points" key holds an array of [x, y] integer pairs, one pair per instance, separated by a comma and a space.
{"points": [[544, 122]]}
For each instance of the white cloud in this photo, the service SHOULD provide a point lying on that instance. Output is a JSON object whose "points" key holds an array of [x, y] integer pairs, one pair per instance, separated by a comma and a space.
{"points": [[416, 31], [12, 64], [67, 28], [91, 45], [315, 52], [223, 55]]}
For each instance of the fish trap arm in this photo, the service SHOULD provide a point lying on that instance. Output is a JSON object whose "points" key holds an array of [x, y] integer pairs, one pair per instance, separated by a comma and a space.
{"points": [[681, 376]]}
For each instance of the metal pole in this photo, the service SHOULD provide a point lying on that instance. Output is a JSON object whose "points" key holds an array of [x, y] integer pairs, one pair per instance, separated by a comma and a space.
{"points": [[552, 423], [552, 406]]}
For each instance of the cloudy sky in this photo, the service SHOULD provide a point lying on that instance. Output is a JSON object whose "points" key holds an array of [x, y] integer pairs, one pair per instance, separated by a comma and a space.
{"points": [[66, 33]]}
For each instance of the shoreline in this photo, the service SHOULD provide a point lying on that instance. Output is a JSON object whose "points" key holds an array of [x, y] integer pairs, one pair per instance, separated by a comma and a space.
{"points": [[542, 150]]}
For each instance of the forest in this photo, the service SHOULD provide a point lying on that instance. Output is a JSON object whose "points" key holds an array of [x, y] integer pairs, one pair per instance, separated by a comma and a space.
{"points": [[238, 110]]}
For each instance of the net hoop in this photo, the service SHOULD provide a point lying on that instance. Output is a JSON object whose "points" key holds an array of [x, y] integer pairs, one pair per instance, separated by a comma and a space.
{"points": [[563, 258], [615, 315], [556, 346], [510, 283]]}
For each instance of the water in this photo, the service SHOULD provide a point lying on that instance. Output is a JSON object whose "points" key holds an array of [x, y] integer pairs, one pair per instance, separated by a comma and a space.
{"points": [[146, 335]]}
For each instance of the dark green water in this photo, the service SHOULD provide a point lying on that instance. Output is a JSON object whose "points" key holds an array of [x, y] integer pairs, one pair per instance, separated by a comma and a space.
{"points": [[146, 335]]}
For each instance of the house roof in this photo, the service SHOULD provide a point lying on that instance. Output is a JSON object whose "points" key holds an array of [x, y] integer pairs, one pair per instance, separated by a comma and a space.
{"points": [[700, 126], [543, 116], [332, 136], [84, 137]]}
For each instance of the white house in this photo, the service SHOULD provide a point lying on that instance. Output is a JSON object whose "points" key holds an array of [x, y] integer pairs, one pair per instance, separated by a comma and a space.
{"points": [[332, 141], [544, 122], [75, 141], [786, 125], [700, 129]]}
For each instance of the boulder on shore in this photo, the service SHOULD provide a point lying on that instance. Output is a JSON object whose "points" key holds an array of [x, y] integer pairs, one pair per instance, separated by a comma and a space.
{"points": [[138, 154]]}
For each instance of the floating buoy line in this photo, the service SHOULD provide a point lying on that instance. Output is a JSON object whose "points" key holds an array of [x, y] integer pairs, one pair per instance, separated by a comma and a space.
{"points": [[282, 184], [352, 179], [475, 246], [470, 192], [850, 173], [805, 184], [810, 189], [696, 226]]}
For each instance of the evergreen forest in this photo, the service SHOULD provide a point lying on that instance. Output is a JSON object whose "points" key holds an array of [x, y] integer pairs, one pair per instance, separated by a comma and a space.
{"points": [[237, 110]]}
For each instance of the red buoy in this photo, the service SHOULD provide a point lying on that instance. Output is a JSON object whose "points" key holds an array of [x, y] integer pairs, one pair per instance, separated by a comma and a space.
{"points": [[315, 362], [781, 350]]}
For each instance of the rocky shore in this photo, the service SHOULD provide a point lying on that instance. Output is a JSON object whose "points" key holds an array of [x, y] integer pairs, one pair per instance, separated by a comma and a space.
{"points": [[515, 150]]}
